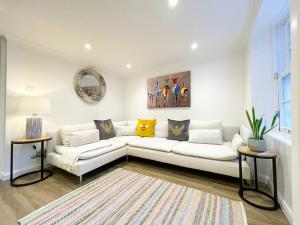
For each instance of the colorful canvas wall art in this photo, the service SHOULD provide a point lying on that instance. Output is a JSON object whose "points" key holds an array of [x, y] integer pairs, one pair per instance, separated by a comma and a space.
{"points": [[169, 91]]}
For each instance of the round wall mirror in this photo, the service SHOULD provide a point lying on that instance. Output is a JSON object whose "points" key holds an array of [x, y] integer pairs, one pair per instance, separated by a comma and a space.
{"points": [[89, 85]]}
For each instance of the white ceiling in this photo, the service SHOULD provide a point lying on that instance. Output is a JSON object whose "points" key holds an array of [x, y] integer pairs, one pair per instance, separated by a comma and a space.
{"points": [[144, 33]]}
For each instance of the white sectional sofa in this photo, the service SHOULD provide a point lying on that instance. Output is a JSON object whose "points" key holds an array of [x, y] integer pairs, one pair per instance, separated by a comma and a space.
{"points": [[221, 159]]}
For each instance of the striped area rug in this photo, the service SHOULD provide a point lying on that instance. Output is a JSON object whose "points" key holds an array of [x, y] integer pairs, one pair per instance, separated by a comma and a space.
{"points": [[124, 197]]}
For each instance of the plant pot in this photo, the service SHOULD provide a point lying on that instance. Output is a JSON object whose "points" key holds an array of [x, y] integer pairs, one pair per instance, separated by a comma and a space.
{"points": [[257, 145]]}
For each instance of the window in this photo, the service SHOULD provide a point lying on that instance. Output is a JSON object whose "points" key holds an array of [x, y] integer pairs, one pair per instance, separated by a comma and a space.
{"points": [[286, 101], [283, 73]]}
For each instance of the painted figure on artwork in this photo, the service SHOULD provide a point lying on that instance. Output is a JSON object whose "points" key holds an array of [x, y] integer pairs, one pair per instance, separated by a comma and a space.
{"points": [[157, 94], [151, 98], [175, 90], [184, 93], [166, 92]]}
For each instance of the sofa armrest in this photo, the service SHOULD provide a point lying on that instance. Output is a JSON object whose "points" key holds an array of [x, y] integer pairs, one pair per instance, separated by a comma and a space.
{"points": [[245, 133], [229, 132], [56, 140]]}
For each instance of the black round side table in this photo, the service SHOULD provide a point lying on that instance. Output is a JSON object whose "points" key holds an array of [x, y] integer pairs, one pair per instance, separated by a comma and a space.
{"points": [[41, 140], [246, 151]]}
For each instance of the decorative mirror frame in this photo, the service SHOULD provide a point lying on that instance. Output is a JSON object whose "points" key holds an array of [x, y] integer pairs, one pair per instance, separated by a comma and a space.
{"points": [[76, 82]]}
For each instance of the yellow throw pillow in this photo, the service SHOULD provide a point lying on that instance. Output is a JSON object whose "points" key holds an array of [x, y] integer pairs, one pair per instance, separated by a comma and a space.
{"points": [[145, 128]]}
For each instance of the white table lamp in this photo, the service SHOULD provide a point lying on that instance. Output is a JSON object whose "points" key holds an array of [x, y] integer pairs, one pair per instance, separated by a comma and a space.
{"points": [[35, 106]]}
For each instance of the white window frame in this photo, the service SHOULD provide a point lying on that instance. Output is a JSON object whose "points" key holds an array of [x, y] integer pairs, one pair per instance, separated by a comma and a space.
{"points": [[281, 67], [282, 128]]}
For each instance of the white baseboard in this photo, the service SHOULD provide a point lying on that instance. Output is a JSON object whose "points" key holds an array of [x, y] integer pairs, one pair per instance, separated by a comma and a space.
{"points": [[284, 206], [6, 176]]}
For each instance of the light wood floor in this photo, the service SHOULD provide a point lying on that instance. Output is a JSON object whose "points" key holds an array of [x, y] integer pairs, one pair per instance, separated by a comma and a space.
{"points": [[15, 203]]}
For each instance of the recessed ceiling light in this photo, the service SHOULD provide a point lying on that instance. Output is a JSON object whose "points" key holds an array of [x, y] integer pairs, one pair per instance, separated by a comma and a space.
{"points": [[87, 46], [128, 66], [194, 46], [173, 3]]}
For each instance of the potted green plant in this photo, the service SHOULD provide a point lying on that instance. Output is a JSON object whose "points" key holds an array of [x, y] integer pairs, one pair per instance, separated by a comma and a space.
{"points": [[257, 141]]}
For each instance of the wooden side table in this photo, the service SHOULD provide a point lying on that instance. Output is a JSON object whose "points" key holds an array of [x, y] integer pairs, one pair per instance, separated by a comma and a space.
{"points": [[41, 140], [258, 155]]}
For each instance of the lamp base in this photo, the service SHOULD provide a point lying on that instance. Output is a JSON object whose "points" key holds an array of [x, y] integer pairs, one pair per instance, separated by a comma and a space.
{"points": [[33, 128]]}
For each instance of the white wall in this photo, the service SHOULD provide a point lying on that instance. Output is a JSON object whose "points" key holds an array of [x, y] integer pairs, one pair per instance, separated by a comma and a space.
{"points": [[52, 76], [2, 98], [282, 146], [261, 69], [248, 83], [217, 91], [261, 93]]}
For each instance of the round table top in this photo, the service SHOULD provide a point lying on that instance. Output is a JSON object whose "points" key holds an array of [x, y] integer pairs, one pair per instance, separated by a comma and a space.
{"points": [[263, 155], [26, 140]]}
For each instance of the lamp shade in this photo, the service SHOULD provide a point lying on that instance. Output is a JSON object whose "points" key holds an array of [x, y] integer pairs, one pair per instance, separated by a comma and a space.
{"points": [[34, 105]]}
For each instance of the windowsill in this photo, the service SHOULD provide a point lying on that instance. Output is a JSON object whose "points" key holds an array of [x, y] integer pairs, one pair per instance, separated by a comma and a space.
{"points": [[282, 137]]}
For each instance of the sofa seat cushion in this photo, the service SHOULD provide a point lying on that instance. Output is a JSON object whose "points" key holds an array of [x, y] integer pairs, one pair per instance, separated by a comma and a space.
{"points": [[124, 139], [154, 143], [60, 149], [208, 151]]}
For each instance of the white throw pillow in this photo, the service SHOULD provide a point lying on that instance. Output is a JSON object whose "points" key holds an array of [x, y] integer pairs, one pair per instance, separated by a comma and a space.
{"points": [[78, 138], [237, 142], [126, 130], [206, 136]]}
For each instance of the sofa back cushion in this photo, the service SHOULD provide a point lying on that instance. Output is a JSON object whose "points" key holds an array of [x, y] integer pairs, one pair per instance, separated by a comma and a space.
{"points": [[131, 123], [106, 129], [178, 130], [211, 124], [125, 130], [78, 138], [77, 127], [78, 134], [206, 136], [119, 123], [161, 129]]}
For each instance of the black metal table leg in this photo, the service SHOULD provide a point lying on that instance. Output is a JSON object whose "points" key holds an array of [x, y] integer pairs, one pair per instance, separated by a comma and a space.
{"points": [[42, 160], [255, 174], [276, 204], [11, 163], [241, 176]]}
